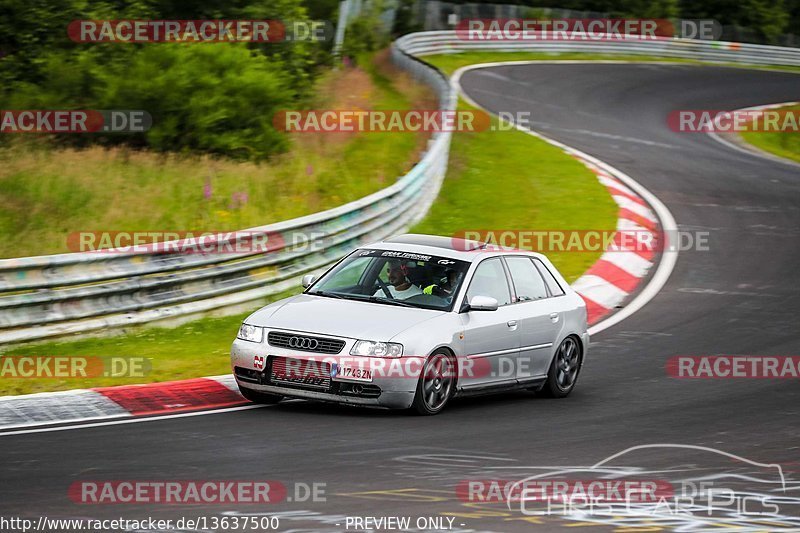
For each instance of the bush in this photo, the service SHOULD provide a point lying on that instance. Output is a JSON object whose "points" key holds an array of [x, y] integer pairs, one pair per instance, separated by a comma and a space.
{"points": [[212, 97], [217, 98], [209, 97]]}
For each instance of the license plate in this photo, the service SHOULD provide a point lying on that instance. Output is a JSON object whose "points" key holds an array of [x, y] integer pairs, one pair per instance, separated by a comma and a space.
{"points": [[346, 372], [301, 372]]}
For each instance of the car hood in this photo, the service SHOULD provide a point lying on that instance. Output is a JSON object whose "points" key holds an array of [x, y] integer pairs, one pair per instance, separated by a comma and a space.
{"points": [[342, 318]]}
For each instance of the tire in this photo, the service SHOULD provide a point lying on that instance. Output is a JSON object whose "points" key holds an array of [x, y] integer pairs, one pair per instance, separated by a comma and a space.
{"points": [[436, 384], [260, 397], [564, 369]]}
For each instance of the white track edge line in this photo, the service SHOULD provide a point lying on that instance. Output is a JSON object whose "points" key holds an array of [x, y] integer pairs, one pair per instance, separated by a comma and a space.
{"points": [[132, 420]]}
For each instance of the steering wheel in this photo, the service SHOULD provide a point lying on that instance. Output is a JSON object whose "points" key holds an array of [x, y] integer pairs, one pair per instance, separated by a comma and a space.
{"points": [[384, 288]]}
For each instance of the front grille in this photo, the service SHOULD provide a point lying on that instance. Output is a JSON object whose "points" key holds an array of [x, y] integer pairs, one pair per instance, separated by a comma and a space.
{"points": [[304, 343], [300, 373]]}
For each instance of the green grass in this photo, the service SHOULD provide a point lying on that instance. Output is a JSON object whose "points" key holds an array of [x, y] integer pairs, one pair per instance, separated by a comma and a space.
{"points": [[198, 348], [781, 144], [496, 180], [450, 62]]}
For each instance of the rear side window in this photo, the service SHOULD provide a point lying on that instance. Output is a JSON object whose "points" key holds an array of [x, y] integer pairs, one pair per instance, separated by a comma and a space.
{"points": [[552, 284], [490, 280], [528, 283]]}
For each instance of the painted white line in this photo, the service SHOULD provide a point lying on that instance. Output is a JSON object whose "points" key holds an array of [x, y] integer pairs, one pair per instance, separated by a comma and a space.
{"points": [[57, 407], [668, 225], [631, 262], [611, 182], [599, 290], [132, 420], [64, 421], [628, 225], [617, 191], [227, 380], [62, 394], [635, 207]]}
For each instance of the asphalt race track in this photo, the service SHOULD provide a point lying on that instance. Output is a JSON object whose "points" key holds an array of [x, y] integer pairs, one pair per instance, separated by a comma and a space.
{"points": [[740, 297]]}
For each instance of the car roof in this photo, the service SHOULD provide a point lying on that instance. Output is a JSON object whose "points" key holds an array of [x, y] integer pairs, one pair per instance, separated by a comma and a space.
{"points": [[451, 247]]}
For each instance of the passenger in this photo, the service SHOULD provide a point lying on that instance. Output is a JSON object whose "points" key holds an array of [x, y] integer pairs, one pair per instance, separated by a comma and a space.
{"points": [[446, 285]]}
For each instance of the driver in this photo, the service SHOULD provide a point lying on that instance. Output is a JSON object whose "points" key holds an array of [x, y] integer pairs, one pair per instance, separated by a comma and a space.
{"points": [[399, 286]]}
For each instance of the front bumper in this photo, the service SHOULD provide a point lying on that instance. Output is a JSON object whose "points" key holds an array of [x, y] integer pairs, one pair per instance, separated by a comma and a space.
{"points": [[395, 392]]}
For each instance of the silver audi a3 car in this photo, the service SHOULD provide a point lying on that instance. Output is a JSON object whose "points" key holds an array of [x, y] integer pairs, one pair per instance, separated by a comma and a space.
{"points": [[413, 321]]}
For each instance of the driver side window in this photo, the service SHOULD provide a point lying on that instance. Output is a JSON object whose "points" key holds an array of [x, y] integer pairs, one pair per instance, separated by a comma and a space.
{"points": [[490, 280]]}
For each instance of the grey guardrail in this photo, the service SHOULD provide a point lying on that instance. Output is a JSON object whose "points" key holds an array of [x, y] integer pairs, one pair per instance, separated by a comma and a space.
{"points": [[443, 42], [55, 295], [49, 296]]}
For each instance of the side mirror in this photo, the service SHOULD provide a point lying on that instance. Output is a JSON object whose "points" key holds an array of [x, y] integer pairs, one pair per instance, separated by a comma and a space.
{"points": [[482, 303], [308, 280]]}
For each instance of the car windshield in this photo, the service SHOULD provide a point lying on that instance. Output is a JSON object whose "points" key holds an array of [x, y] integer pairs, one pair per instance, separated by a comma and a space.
{"points": [[391, 277]]}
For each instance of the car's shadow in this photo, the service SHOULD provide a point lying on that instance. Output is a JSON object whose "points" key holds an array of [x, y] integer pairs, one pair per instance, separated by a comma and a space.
{"points": [[456, 406]]}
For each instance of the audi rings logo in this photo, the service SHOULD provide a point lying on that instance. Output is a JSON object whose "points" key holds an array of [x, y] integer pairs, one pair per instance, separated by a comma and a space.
{"points": [[303, 343]]}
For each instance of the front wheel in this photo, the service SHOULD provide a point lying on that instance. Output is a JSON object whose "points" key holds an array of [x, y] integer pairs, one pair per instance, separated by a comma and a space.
{"points": [[260, 397], [564, 369], [435, 385]]}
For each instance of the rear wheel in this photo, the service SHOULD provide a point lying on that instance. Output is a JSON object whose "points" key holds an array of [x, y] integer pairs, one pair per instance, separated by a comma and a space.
{"points": [[564, 369], [260, 397], [436, 383]]}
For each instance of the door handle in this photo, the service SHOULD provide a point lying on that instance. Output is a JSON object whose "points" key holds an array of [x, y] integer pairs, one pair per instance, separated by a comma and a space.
{"points": [[554, 317], [512, 324]]}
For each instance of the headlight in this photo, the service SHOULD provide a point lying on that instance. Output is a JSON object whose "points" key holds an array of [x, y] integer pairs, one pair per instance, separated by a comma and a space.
{"points": [[377, 349], [250, 333]]}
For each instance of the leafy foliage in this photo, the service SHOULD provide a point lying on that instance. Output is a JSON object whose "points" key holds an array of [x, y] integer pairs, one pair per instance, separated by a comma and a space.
{"points": [[209, 97]]}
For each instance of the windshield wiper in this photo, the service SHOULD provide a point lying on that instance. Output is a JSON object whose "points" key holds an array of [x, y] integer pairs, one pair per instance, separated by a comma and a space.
{"points": [[380, 300], [328, 294]]}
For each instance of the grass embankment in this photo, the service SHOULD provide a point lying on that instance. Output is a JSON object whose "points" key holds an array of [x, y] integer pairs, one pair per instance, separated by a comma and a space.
{"points": [[496, 180], [781, 144], [450, 62]]}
